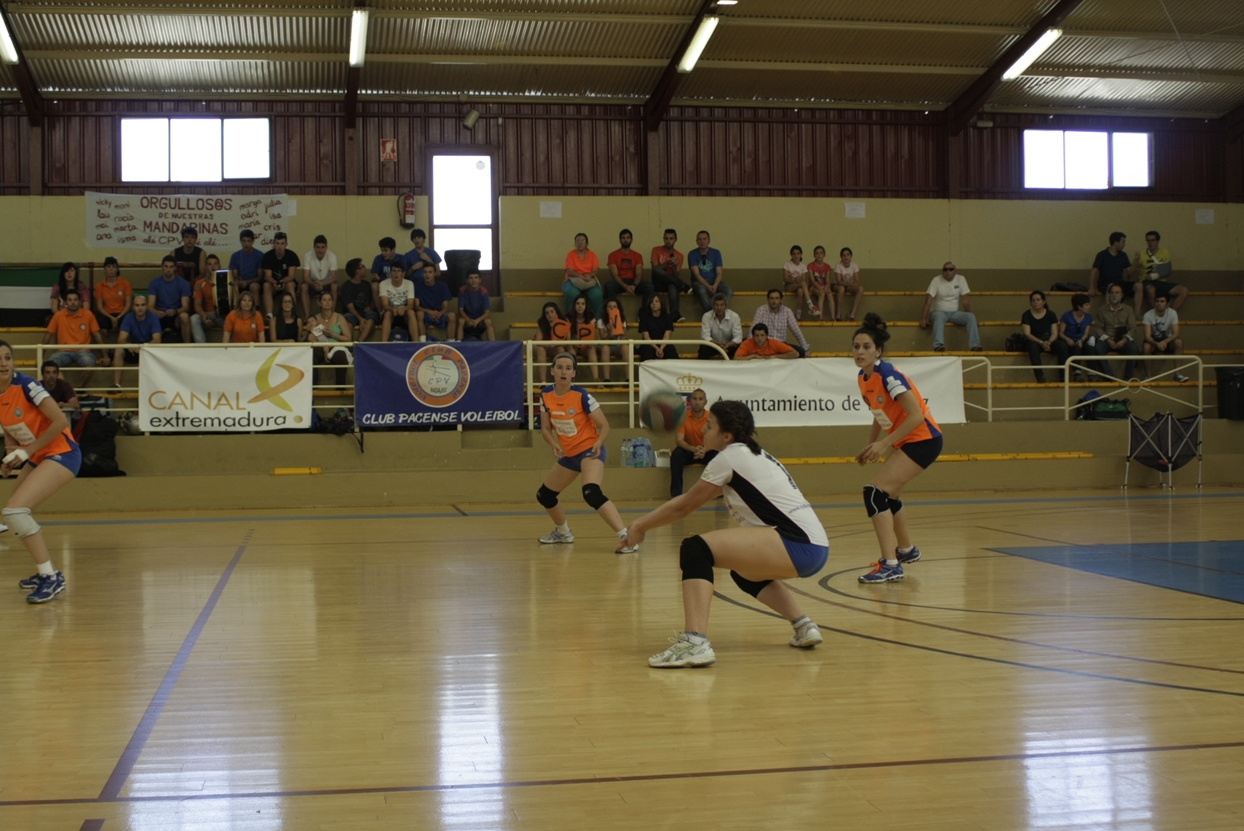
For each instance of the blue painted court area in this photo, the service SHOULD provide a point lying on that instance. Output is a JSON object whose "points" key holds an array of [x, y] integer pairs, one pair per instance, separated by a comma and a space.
{"points": [[1212, 569]]}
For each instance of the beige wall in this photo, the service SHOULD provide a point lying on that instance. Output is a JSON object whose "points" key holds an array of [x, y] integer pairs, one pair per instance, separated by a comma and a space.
{"points": [[751, 232]]}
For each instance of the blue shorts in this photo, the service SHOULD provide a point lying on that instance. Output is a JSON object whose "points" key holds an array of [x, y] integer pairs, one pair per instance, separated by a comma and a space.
{"points": [[807, 557], [443, 323], [575, 463], [72, 461]]}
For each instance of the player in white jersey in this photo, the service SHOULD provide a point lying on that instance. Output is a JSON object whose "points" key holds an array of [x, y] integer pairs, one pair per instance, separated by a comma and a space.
{"points": [[780, 537]]}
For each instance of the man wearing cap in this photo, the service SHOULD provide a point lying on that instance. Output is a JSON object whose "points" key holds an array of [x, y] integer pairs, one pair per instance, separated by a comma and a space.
{"points": [[191, 259]]}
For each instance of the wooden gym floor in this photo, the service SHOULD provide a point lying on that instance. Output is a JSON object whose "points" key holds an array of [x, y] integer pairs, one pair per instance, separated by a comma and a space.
{"points": [[1065, 661]]}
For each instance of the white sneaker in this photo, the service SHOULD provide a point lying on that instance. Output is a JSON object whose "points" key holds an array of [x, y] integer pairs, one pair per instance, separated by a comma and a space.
{"points": [[806, 636], [684, 653], [556, 537], [626, 549], [1180, 378], [3, 527]]}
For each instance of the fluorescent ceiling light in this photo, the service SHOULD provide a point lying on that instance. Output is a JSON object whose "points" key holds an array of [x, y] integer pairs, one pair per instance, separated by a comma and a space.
{"points": [[702, 34], [8, 49], [727, 2], [1035, 51], [358, 37]]}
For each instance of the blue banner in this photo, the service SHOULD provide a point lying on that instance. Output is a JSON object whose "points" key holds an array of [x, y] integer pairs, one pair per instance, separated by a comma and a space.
{"points": [[420, 384]]}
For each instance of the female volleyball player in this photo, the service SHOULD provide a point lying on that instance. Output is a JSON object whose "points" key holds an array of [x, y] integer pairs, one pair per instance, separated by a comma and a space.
{"points": [[581, 428], [899, 410], [38, 445], [781, 537]]}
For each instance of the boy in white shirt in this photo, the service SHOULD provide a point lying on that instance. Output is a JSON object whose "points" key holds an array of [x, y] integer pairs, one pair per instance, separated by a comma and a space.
{"points": [[319, 274], [947, 300], [1162, 333]]}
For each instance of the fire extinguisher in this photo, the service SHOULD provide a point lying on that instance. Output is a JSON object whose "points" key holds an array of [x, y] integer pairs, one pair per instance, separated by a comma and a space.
{"points": [[406, 210]]}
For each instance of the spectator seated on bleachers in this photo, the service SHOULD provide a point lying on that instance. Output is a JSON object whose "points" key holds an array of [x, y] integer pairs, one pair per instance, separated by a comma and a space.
{"points": [[191, 259], [355, 296], [778, 320], [475, 310], [1113, 267], [244, 324], [1162, 335], [397, 303], [820, 283], [721, 326], [67, 280], [761, 347], [626, 272], [62, 391], [245, 267], [1040, 326], [667, 262], [280, 272], [1112, 329], [285, 326], [708, 275], [847, 281], [74, 327], [113, 297], [581, 276], [432, 302], [689, 446], [1074, 328], [382, 265], [1155, 269], [613, 337], [419, 256], [169, 298], [329, 328], [551, 326], [795, 278], [946, 301], [583, 327], [319, 275], [655, 326], [203, 299], [140, 326]]}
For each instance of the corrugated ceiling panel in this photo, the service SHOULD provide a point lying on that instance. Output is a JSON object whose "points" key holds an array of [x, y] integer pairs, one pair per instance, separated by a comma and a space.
{"points": [[513, 37], [1098, 93], [1149, 54], [979, 12], [1190, 16], [756, 43], [7, 84], [509, 80], [569, 6], [206, 31], [823, 87], [172, 76]]}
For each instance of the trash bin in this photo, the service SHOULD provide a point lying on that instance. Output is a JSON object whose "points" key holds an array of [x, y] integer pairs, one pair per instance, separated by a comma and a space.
{"points": [[458, 264], [1230, 392]]}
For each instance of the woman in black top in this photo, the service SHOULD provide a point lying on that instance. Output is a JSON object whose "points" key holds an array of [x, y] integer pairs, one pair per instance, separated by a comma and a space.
{"points": [[286, 327], [1040, 327], [552, 325], [655, 324]]}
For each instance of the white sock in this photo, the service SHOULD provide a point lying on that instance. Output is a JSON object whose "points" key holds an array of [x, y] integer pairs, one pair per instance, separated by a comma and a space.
{"points": [[891, 562], [564, 528], [906, 550], [802, 621], [696, 638], [622, 534], [46, 569]]}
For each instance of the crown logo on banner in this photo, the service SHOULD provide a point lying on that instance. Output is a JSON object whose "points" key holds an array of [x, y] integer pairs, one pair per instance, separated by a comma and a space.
{"points": [[689, 383]]}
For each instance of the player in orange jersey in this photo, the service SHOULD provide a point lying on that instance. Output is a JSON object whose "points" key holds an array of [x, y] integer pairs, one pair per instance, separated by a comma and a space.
{"points": [[911, 443], [573, 425], [40, 449]]}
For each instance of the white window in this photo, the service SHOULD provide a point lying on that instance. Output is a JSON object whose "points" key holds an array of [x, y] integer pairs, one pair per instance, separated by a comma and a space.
{"points": [[195, 149], [463, 205], [1087, 160]]}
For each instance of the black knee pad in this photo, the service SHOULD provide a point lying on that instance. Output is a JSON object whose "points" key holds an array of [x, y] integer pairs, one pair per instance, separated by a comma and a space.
{"points": [[876, 501], [696, 559], [749, 586], [546, 496], [594, 496], [896, 504]]}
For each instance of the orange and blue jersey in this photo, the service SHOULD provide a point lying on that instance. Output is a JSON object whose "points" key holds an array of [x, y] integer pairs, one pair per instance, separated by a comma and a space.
{"points": [[880, 392], [24, 422], [570, 417]]}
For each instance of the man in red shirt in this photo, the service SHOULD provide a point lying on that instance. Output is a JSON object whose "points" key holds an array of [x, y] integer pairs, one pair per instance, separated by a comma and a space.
{"points": [[760, 347], [626, 267], [666, 268]]}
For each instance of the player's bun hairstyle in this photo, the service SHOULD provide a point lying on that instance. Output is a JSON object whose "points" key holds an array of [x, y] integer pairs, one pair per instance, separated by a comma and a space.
{"points": [[735, 418], [874, 326]]}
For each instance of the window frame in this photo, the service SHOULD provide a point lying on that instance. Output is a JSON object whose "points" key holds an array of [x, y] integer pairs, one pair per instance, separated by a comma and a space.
{"points": [[430, 151], [170, 182], [1110, 184]]}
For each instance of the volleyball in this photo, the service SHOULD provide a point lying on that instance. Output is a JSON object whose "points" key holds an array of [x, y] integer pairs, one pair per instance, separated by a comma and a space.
{"points": [[663, 411]]}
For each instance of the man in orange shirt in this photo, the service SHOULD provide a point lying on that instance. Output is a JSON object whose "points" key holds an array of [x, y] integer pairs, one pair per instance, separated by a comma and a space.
{"points": [[690, 438], [760, 347], [75, 326], [666, 268], [203, 302], [113, 297]]}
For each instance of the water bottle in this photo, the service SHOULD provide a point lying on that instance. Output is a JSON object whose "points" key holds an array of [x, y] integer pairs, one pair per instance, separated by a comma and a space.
{"points": [[627, 457]]}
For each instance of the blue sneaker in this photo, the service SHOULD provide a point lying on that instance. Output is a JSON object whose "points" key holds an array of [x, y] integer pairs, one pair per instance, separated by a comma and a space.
{"points": [[49, 587], [909, 557], [30, 583], [882, 573]]}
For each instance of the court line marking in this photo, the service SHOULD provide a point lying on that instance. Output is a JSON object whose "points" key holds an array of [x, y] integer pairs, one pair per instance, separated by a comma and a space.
{"points": [[129, 756], [641, 777], [586, 512], [1003, 661]]}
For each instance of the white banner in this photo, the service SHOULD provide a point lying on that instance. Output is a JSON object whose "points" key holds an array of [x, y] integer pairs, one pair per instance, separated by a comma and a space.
{"points": [[805, 392], [135, 220], [225, 388]]}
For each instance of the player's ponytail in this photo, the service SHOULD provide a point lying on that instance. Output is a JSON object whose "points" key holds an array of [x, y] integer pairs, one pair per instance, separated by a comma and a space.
{"points": [[735, 418], [875, 327]]}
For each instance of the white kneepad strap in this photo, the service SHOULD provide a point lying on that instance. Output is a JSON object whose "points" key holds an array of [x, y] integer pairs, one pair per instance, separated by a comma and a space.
{"points": [[20, 522]]}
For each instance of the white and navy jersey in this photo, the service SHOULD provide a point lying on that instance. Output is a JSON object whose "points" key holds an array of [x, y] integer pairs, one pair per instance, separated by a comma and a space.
{"points": [[760, 492]]}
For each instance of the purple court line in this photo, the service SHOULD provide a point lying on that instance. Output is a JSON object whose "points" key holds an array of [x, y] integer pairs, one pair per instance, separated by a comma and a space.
{"points": [[641, 777], [129, 757]]}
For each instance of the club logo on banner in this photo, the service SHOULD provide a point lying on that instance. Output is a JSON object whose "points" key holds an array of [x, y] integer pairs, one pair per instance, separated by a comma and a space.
{"points": [[419, 384], [224, 389], [805, 393]]}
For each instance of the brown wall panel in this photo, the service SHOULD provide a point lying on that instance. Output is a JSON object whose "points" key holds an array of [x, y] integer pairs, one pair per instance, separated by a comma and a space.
{"points": [[14, 158]]}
